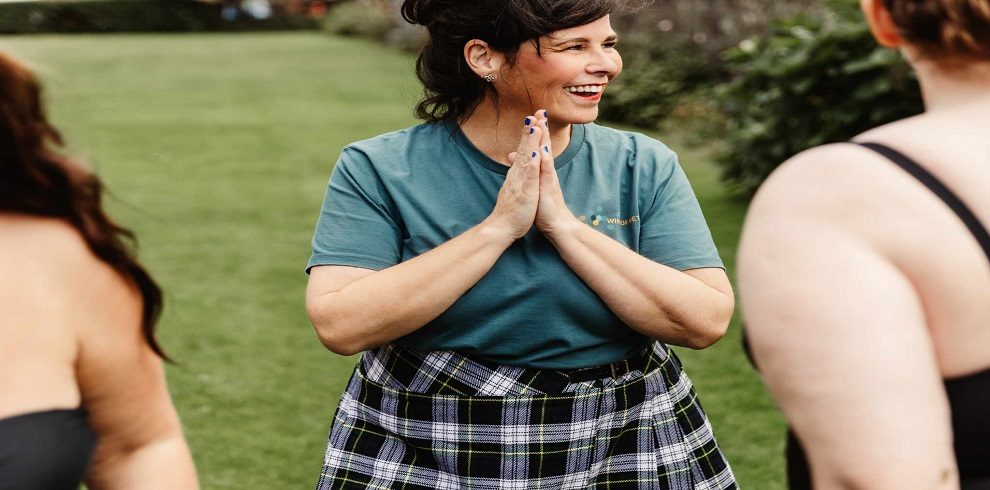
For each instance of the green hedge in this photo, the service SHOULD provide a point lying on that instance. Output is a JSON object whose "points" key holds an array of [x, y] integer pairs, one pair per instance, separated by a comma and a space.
{"points": [[128, 16], [811, 81]]}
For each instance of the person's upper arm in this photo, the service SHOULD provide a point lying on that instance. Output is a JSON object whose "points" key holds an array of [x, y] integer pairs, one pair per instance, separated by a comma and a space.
{"points": [[840, 336], [122, 383], [673, 231], [359, 225], [326, 279], [715, 278], [359, 232]]}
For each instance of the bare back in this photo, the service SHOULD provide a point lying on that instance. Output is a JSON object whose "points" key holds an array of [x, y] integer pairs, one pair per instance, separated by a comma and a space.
{"points": [[947, 267], [38, 334], [863, 291], [70, 336]]}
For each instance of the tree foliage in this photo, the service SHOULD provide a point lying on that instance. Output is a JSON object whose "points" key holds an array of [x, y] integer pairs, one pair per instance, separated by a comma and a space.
{"points": [[101, 16], [811, 81], [655, 80]]}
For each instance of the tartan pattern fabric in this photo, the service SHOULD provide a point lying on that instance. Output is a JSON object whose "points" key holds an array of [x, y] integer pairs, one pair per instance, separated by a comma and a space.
{"points": [[442, 420]]}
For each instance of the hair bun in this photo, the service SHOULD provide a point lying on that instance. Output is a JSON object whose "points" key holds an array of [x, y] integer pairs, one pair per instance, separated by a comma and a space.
{"points": [[953, 29]]}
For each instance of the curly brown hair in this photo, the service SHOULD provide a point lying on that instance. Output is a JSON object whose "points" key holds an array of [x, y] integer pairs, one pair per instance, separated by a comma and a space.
{"points": [[35, 179]]}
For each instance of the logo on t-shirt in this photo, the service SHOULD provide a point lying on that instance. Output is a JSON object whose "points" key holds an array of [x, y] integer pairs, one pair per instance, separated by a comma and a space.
{"points": [[598, 219]]}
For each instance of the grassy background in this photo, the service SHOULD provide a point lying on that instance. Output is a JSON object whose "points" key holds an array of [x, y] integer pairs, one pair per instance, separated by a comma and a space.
{"points": [[217, 149]]}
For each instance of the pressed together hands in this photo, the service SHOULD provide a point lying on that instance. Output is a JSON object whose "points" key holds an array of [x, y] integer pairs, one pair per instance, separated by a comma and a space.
{"points": [[355, 309], [531, 194]]}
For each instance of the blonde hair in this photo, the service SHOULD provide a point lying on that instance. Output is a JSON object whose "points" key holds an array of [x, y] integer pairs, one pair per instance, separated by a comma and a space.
{"points": [[944, 30]]}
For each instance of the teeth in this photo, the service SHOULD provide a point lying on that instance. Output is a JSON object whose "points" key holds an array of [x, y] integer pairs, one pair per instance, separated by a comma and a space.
{"points": [[585, 88]]}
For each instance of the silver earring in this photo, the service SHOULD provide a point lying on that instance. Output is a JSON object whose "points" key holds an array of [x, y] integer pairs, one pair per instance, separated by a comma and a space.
{"points": [[489, 78]]}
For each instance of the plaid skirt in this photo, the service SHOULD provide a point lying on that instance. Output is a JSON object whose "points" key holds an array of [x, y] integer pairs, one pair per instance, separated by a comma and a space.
{"points": [[442, 420]]}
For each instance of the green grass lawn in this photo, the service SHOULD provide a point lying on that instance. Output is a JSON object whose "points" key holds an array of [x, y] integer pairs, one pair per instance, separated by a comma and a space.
{"points": [[217, 149]]}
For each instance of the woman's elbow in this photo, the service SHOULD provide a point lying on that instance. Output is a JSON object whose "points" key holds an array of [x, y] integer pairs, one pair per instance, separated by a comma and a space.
{"points": [[337, 344], [332, 330], [710, 329], [335, 338], [705, 338]]}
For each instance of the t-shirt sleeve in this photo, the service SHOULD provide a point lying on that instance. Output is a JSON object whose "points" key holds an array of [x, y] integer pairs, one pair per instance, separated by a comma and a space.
{"points": [[358, 225], [674, 231]]}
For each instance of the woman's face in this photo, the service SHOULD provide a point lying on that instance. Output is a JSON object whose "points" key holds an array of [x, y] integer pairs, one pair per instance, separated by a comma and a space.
{"points": [[568, 79]]}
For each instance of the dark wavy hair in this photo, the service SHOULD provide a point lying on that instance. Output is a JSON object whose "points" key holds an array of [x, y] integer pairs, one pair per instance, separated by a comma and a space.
{"points": [[35, 179], [953, 30], [450, 89]]}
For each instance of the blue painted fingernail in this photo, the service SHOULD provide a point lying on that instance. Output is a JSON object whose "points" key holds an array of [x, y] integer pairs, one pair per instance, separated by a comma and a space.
{"points": [[531, 130], [534, 155], [526, 122], [546, 148], [546, 114]]}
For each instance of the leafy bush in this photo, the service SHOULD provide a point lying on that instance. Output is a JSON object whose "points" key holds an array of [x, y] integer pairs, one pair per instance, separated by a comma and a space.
{"points": [[811, 81], [371, 19], [707, 27], [655, 81]]}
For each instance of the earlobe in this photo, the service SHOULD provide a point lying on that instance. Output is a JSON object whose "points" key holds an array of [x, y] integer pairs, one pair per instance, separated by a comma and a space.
{"points": [[881, 23]]}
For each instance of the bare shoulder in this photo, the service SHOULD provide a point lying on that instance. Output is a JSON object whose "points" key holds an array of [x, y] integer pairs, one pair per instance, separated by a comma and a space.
{"points": [[47, 239], [50, 261], [914, 124], [39, 235], [828, 181]]}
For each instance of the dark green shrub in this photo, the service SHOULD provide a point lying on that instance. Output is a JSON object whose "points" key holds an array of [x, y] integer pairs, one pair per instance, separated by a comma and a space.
{"points": [[130, 16], [371, 19], [656, 79], [106, 16], [811, 81]]}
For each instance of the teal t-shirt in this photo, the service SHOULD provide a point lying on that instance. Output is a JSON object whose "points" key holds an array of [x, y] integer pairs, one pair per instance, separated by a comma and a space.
{"points": [[401, 194]]}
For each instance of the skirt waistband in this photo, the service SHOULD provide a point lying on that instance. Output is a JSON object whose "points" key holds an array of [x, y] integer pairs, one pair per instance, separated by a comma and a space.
{"points": [[453, 373]]}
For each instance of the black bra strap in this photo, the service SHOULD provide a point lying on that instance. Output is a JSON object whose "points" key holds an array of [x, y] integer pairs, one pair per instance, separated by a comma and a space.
{"points": [[940, 190]]}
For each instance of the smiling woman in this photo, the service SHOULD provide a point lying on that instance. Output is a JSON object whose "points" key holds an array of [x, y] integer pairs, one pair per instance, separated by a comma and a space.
{"points": [[514, 315], [442, 65], [565, 72]]}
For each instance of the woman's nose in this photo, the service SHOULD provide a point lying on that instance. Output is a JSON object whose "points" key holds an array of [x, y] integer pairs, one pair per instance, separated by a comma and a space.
{"points": [[604, 62]]}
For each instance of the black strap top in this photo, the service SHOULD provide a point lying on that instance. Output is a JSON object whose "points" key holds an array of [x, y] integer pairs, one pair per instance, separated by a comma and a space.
{"points": [[969, 396], [940, 190], [47, 450]]}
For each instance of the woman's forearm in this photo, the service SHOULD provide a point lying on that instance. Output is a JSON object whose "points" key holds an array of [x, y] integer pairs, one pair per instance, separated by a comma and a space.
{"points": [[656, 300], [385, 305]]}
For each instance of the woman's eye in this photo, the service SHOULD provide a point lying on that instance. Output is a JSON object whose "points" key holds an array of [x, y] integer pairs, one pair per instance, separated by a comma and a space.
{"points": [[576, 47], [610, 45]]}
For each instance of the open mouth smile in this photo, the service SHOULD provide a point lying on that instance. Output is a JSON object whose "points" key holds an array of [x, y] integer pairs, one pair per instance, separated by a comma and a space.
{"points": [[591, 92]]}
